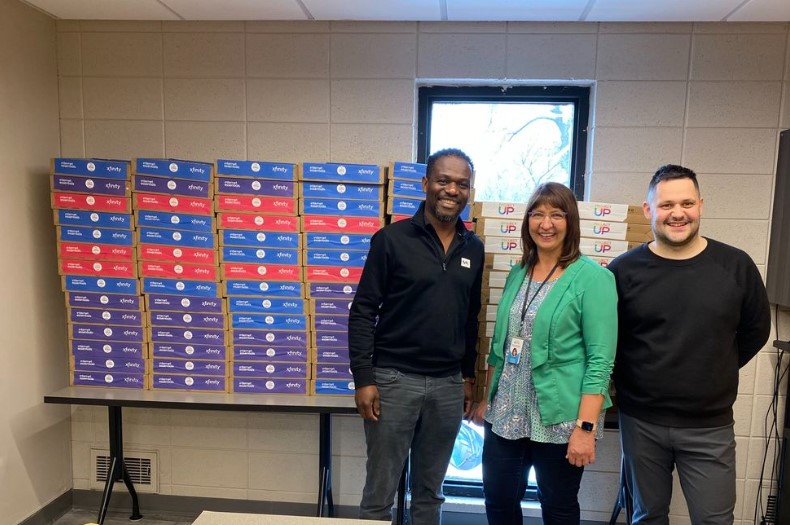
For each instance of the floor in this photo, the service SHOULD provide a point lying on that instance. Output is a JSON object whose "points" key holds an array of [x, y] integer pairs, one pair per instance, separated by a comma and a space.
{"points": [[82, 517]]}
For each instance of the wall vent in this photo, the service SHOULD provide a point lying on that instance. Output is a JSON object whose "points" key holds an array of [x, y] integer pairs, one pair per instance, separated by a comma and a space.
{"points": [[142, 468]]}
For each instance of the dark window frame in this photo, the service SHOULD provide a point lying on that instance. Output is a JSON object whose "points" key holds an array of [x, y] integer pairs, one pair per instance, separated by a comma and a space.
{"points": [[577, 95]]}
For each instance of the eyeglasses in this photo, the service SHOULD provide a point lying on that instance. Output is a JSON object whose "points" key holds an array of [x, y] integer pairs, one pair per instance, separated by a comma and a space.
{"points": [[555, 216]]}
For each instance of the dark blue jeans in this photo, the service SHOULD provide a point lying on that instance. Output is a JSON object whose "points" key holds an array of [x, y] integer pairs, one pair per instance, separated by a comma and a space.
{"points": [[506, 464]]}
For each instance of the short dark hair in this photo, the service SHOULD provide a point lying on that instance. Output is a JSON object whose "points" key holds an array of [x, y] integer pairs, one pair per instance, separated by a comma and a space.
{"points": [[670, 172], [558, 196], [447, 152]]}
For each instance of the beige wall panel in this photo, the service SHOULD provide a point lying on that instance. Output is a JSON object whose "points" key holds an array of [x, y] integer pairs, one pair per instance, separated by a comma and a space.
{"points": [[201, 467], [341, 26], [456, 55], [124, 139], [192, 26], [205, 141], [664, 28], [750, 236], [736, 196], [643, 56], [646, 104], [122, 54], [552, 28], [120, 26], [203, 55], [624, 187], [560, 56], [734, 104], [740, 27], [765, 363], [462, 27], [742, 413], [69, 54], [67, 26], [371, 143], [360, 101], [746, 377], [288, 100], [738, 57], [72, 142], [204, 99], [373, 56], [296, 472], [348, 436], [636, 149], [284, 142], [286, 26], [719, 150], [287, 56], [70, 97], [762, 406], [147, 428], [289, 433], [123, 98]]}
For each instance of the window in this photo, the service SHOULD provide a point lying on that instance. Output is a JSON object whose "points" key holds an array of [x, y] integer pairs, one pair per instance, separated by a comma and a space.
{"points": [[518, 137]]}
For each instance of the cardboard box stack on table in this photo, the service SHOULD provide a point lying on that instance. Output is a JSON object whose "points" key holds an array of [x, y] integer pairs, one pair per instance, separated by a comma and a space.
{"points": [[177, 252], [342, 206], [405, 193], [609, 230], [96, 259], [262, 276]]}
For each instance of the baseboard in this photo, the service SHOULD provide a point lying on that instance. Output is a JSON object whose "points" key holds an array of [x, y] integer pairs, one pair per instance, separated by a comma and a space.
{"points": [[52, 511]]}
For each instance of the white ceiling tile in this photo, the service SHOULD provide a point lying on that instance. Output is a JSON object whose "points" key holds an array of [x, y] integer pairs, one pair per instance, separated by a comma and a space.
{"points": [[237, 9], [105, 9], [661, 10], [516, 10], [374, 10], [763, 11]]}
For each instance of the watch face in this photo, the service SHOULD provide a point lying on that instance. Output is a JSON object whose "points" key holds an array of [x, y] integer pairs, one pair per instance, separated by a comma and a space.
{"points": [[587, 426]]}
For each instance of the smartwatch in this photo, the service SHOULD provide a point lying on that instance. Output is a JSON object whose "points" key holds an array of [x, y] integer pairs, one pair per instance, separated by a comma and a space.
{"points": [[587, 426]]}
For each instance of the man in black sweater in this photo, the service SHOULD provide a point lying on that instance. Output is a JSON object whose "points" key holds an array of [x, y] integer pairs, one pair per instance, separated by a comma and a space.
{"points": [[411, 336], [692, 311]]}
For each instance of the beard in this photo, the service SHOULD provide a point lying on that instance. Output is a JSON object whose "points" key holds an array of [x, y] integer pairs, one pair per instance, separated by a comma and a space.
{"points": [[677, 243], [442, 215]]}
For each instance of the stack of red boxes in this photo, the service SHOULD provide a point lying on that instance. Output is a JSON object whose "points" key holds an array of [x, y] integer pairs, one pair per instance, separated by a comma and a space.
{"points": [[177, 248], [261, 264], [342, 207], [97, 263]]}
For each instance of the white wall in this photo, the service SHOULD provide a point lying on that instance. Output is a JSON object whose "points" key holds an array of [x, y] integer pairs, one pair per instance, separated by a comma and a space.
{"points": [[710, 96], [34, 439]]}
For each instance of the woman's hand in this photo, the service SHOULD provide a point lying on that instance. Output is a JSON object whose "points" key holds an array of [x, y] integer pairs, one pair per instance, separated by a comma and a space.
{"points": [[478, 413], [581, 448]]}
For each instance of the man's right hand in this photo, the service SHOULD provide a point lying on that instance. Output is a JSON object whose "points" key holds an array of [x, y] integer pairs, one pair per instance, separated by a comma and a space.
{"points": [[367, 400], [479, 413]]}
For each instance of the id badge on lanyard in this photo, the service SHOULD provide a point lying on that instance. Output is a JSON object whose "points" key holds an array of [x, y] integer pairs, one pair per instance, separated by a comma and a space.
{"points": [[514, 351]]}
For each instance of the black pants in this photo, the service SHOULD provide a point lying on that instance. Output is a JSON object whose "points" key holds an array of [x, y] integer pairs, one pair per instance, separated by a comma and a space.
{"points": [[506, 465]]}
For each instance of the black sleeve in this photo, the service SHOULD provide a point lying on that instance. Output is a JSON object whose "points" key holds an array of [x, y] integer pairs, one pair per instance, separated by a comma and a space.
{"points": [[365, 309], [472, 325], [755, 324]]}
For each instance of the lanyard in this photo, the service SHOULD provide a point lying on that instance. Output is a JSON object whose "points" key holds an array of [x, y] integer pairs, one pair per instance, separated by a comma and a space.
{"points": [[527, 303]]}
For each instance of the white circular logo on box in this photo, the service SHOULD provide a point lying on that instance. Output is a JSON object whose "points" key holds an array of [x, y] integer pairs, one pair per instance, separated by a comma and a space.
{"points": [[341, 188], [341, 170], [342, 223], [178, 269], [108, 332], [266, 303], [260, 236], [173, 167], [189, 350], [108, 378], [268, 319], [261, 270], [101, 283], [109, 363], [104, 299], [344, 257], [187, 334], [171, 185], [180, 286], [185, 302], [187, 318], [97, 266], [256, 202], [94, 217], [270, 337], [90, 199], [258, 220], [175, 219], [91, 166], [341, 205], [189, 365], [96, 234], [107, 349], [260, 254], [90, 184], [106, 316], [255, 167], [189, 381], [351, 385], [173, 202], [177, 252], [176, 236], [344, 272], [263, 287], [345, 239], [270, 369], [95, 250], [269, 385], [270, 352], [256, 185]]}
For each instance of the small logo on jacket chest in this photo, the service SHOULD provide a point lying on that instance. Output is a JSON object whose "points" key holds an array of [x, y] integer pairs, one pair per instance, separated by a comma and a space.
{"points": [[466, 263]]}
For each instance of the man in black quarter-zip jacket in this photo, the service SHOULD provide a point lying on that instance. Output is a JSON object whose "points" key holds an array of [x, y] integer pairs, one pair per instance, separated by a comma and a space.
{"points": [[412, 332]]}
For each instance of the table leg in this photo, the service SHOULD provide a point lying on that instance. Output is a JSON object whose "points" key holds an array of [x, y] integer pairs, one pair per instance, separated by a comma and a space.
{"points": [[117, 470], [325, 466]]}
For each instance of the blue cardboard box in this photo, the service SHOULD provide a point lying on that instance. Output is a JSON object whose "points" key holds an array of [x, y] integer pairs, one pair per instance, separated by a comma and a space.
{"points": [[257, 169]]}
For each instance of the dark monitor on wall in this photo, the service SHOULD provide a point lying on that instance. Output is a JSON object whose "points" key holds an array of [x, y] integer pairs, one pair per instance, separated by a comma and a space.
{"points": [[778, 269]]}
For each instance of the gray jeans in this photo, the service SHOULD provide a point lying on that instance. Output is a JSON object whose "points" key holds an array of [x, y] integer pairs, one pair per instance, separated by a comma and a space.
{"points": [[420, 413], [705, 458]]}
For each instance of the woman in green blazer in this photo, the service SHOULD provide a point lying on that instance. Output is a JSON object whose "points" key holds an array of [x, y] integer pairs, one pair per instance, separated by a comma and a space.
{"points": [[549, 366]]}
